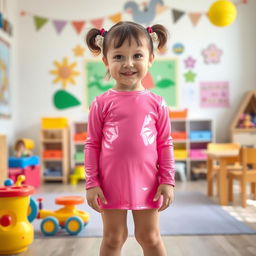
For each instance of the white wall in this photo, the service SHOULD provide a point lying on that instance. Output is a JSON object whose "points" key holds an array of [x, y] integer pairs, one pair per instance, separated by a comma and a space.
{"points": [[36, 52]]}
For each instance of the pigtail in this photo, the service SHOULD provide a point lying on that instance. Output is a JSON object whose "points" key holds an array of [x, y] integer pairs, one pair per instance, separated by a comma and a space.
{"points": [[91, 42], [162, 35]]}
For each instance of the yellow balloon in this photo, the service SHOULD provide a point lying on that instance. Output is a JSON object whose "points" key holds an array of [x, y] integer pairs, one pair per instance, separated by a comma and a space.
{"points": [[222, 13]]}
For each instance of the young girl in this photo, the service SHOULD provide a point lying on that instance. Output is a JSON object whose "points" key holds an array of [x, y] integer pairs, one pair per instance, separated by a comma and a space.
{"points": [[129, 152]]}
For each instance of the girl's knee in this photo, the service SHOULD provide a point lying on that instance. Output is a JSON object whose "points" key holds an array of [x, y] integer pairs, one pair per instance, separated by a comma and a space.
{"points": [[148, 239], [115, 239]]}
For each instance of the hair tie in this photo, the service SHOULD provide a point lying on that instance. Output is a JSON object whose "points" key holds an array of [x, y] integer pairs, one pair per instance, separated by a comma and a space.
{"points": [[152, 34], [103, 32], [150, 30]]}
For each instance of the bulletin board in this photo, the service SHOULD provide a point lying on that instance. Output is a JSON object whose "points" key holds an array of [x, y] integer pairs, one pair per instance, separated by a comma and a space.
{"points": [[162, 80], [4, 79]]}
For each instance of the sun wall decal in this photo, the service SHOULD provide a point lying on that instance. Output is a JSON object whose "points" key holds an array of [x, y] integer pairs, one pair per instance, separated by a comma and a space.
{"points": [[64, 72]]}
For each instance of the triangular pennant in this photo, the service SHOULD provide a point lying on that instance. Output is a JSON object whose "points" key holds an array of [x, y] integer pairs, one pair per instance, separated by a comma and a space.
{"points": [[97, 22], [177, 15], [59, 25], [40, 22], [78, 25], [195, 17], [116, 17]]}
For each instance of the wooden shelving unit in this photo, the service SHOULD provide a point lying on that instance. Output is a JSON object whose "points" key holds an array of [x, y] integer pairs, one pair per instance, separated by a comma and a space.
{"points": [[77, 138], [3, 158], [243, 135], [190, 139], [55, 167]]}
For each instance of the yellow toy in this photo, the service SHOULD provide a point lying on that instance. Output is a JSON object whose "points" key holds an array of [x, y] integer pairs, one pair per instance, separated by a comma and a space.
{"points": [[79, 174], [222, 13], [68, 217], [16, 232], [247, 122]]}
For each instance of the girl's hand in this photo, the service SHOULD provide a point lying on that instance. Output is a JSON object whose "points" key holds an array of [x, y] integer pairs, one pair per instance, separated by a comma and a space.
{"points": [[168, 195], [92, 195]]}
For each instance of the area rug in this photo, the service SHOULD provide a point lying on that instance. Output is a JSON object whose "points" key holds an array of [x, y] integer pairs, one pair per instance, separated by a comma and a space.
{"points": [[192, 213]]}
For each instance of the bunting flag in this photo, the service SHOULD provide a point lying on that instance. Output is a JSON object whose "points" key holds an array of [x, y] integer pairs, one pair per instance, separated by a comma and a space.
{"points": [[78, 25], [59, 25], [194, 17], [40, 22], [116, 17], [176, 14], [97, 22]]}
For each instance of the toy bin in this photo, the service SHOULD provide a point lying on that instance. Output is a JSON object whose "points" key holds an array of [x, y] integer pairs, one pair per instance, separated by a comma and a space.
{"points": [[52, 154], [179, 114], [80, 137], [22, 162], [54, 123], [200, 135], [197, 154], [79, 157], [179, 135], [31, 173], [180, 153]]}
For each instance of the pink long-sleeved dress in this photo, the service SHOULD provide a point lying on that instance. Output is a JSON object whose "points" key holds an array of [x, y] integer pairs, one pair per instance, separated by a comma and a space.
{"points": [[129, 150]]}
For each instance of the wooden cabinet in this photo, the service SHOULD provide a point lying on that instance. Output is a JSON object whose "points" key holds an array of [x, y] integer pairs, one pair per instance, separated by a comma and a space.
{"points": [[190, 139], [3, 159], [55, 160]]}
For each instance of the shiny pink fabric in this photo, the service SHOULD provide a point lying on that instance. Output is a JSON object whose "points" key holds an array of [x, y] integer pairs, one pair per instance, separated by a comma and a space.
{"points": [[129, 150]]}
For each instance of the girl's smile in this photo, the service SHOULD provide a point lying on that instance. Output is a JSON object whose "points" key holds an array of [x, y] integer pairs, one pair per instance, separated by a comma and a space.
{"points": [[129, 64]]}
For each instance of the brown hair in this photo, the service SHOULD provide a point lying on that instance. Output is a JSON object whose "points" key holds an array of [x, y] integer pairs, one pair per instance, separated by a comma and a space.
{"points": [[125, 30]]}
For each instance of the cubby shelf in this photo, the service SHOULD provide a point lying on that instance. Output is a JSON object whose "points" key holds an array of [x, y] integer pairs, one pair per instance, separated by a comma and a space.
{"points": [[55, 168], [191, 149]]}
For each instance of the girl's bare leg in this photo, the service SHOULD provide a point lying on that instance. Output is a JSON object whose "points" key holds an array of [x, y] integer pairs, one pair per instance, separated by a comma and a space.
{"points": [[115, 232], [147, 232]]}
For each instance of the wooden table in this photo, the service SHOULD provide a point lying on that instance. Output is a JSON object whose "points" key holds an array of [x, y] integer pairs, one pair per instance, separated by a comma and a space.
{"points": [[223, 158]]}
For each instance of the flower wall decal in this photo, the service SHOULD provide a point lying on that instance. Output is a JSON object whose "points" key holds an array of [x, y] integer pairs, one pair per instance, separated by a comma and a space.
{"points": [[212, 54]]}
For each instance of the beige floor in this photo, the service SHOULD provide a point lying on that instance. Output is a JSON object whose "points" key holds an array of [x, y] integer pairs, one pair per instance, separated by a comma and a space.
{"points": [[176, 245]]}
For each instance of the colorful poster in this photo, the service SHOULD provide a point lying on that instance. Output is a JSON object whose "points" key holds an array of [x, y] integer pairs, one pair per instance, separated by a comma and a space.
{"points": [[161, 79], [4, 79], [214, 94]]}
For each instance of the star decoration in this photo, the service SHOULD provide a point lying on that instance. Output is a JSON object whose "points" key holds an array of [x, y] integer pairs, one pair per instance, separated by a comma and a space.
{"points": [[190, 62], [78, 51], [190, 76], [212, 54]]}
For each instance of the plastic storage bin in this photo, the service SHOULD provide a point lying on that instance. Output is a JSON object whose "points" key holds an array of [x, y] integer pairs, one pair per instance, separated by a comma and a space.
{"points": [[54, 123], [200, 135], [22, 162]]}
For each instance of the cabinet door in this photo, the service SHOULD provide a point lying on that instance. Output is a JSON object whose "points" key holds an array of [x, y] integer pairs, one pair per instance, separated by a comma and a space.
{"points": [[245, 138]]}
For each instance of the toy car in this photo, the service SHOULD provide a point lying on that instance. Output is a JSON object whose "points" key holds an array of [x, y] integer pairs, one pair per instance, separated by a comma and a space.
{"points": [[67, 217]]}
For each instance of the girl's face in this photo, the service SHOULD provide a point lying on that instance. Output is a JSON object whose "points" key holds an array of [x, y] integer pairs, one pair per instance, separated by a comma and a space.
{"points": [[129, 64]]}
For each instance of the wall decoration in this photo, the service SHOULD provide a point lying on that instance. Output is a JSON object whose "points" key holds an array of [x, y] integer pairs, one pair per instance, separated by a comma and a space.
{"points": [[145, 16], [79, 51], [212, 54], [190, 76], [64, 72], [178, 48], [190, 62], [214, 94], [222, 13], [161, 80], [63, 100], [4, 79]]}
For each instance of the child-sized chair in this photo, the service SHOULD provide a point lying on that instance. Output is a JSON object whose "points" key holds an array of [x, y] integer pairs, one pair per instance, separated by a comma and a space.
{"points": [[221, 147], [247, 174]]}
